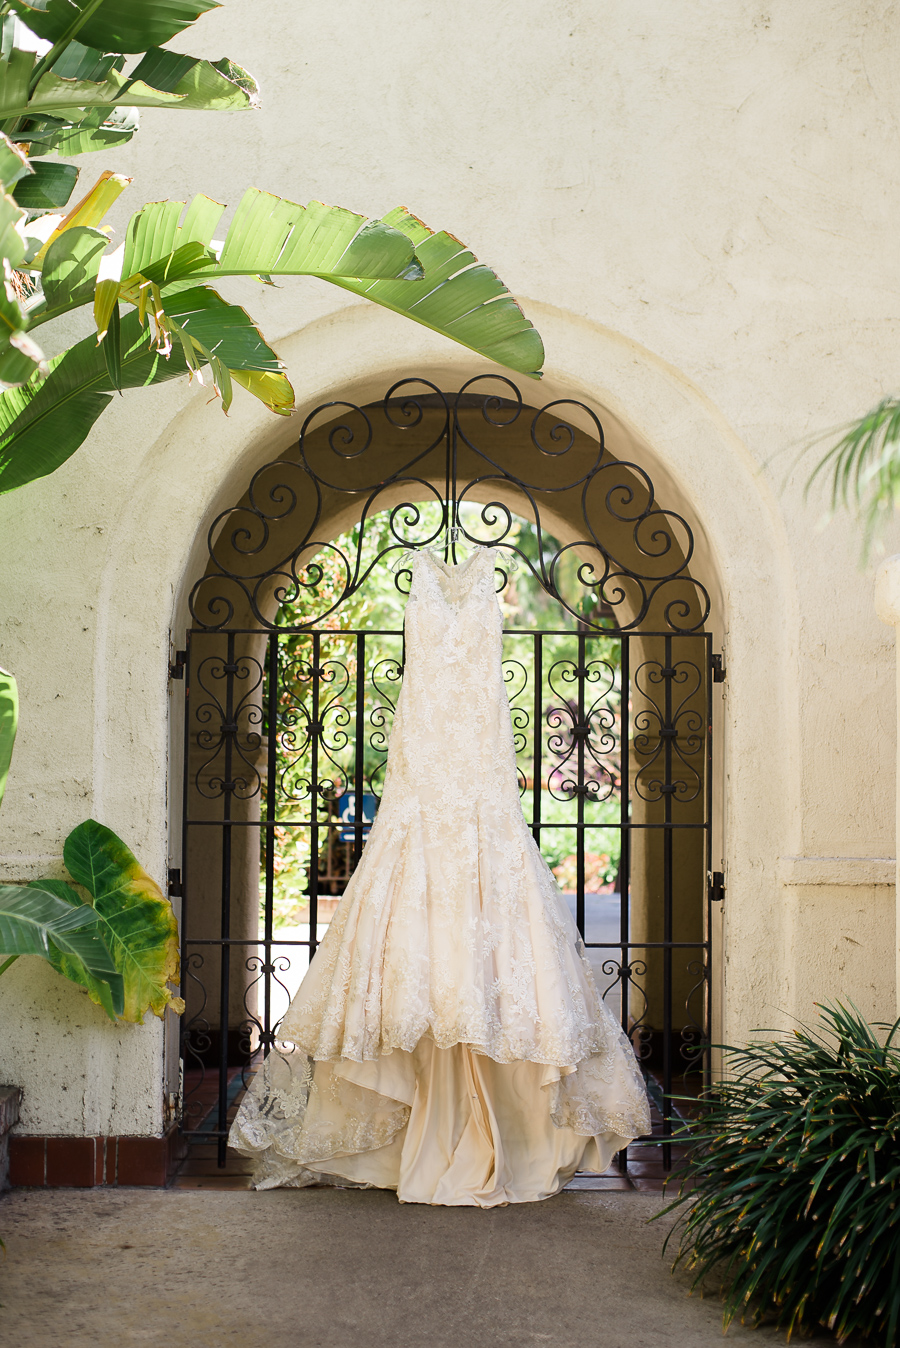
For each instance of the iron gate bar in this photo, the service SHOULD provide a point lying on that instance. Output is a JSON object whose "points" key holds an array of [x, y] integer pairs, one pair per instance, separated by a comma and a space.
{"points": [[315, 673], [271, 778], [580, 789], [536, 795], [225, 974], [360, 749], [667, 676], [624, 833]]}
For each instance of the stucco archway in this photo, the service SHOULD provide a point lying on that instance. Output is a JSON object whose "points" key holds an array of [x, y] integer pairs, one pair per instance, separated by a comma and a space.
{"points": [[650, 413]]}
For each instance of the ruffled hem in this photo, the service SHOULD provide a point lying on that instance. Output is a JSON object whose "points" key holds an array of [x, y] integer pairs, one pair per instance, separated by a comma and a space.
{"points": [[500, 1047], [439, 1125]]}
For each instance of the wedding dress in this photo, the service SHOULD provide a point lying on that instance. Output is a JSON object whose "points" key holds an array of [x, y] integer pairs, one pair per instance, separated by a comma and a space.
{"points": [[448, 1039]]}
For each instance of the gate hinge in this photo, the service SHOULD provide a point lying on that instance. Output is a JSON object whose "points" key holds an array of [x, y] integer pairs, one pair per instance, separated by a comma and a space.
{"points": [[174, 887], [716, 886], [176, 670], [718, 668]]}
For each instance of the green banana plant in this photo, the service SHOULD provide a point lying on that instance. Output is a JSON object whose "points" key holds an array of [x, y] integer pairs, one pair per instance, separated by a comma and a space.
{"points": [[62, 92], [120, 947], [70, 98], [20, 356], [39, 919], [176, 323]]}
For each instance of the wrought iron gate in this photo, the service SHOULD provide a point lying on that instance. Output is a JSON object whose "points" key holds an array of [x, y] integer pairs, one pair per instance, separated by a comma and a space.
{"points": [[287, 717]]}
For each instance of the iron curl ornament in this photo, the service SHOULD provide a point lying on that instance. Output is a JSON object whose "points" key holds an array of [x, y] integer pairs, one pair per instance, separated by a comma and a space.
{"points": [[482, 460]]}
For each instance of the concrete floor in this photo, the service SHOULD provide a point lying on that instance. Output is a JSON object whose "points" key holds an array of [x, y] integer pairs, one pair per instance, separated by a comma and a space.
{"points": [[325, 1268]]}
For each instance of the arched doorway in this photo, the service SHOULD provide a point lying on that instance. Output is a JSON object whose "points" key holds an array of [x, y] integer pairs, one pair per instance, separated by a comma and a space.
{"points": [[288, 706]]}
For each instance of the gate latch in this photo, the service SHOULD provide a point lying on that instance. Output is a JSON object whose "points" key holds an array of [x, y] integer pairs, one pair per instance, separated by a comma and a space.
{"points": [[716, 886], [176, 670], [718, 668], [175, 888]]}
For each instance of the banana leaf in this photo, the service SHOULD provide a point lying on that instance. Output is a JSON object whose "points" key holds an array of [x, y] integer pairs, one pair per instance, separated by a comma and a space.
{"points": [[36, 919], [78, 62], [49, 186], [13, 163], [70, 269], [113, 25], [101, 128], [431, 278], [200, 86], [268, 235], [44, 422], [458, 297], [9, 721], [86, 212], [136, 920], [108, 991], [397, 262], [82, 129], [272, 236]]}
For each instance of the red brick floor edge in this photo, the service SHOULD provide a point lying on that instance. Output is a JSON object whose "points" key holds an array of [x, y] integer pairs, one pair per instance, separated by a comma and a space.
{"points": [[88, 1162]]}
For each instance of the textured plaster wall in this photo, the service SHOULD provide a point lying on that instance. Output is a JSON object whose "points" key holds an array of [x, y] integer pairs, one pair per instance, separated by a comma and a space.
{"points": [[696, 203]]}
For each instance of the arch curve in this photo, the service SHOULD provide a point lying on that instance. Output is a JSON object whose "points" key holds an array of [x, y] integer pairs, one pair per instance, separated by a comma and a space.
{"points": [[198, 463], [481, 444]]}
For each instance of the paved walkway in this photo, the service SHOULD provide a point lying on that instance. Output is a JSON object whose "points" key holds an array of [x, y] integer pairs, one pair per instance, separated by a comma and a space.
{"points": [[325, 1268]]}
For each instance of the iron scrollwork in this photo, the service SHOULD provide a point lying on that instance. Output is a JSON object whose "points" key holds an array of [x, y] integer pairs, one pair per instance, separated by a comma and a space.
{"points": [[670, 719], [631, 559], [226, 721]]}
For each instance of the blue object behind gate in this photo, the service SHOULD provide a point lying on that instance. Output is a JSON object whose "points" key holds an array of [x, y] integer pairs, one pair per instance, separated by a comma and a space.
{"points": [[347, 814]]}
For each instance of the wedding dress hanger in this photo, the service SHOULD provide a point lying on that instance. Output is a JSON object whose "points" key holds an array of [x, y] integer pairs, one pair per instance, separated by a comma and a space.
{"points": [[438, 549]]}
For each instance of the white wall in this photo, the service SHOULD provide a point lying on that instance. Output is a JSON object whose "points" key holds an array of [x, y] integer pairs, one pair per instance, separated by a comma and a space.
{"points": [[696, 203]]}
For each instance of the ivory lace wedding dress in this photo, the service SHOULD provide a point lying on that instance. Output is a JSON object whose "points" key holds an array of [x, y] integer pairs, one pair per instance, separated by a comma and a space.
{"points": [[448, 1038]]}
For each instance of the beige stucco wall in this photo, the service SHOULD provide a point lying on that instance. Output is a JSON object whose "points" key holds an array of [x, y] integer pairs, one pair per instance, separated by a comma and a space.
{"points": [[696, 203]]}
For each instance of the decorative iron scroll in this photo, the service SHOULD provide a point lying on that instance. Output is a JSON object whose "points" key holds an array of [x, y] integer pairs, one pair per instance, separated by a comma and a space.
{"points": [[632, 557]]}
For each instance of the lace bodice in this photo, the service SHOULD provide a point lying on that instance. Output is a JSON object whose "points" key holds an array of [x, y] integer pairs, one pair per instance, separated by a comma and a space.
{"points": [[451, 747]]}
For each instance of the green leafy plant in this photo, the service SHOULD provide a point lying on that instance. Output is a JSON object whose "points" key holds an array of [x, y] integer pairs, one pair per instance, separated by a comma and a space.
{"points": [[121, 946], [864, 467], [790, 1194], [63, 91], [176, 323]]}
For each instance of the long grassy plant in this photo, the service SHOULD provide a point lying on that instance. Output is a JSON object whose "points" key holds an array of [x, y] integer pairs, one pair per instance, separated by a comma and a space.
{"points": [[790, 1196], [864, 468]]}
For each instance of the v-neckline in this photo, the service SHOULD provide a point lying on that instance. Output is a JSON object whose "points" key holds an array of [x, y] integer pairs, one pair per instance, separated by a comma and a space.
{"points": [[454, 572]]}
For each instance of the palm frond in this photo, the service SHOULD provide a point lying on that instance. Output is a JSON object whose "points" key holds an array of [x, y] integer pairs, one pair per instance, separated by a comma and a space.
{"points": [[864, 469]]}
